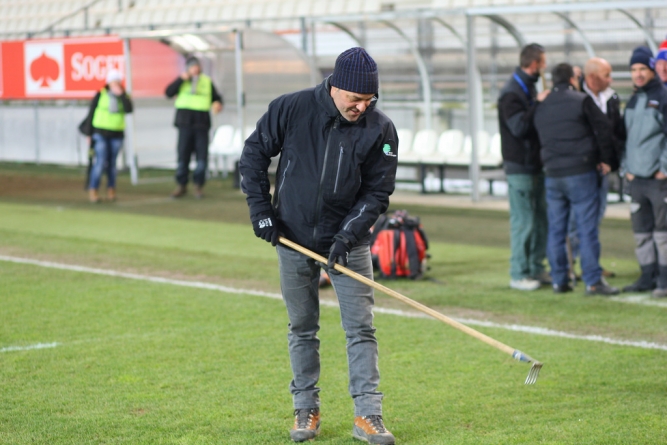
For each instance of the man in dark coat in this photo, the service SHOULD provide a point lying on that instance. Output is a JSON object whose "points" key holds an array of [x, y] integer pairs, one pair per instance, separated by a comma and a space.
{"points": [[338, 158], [521, 160], [195, 96], [576, 142]]}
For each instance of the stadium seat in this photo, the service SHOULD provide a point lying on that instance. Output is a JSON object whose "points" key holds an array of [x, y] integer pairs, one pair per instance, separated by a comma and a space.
{"points": [[466, 155], [423, 145], [494, 156], [222, 149], [449, 147], [404, 140]]}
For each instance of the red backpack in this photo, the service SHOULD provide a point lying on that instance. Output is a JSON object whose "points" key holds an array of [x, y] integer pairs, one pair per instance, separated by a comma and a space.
{"points": [[398, 246]]}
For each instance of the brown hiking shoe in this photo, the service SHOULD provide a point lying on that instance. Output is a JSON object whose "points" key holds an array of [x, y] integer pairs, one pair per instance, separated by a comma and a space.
{"points": [[111, 194], [306, 424], [371, 429], [93, 196], [179, 191], [199, 192]]}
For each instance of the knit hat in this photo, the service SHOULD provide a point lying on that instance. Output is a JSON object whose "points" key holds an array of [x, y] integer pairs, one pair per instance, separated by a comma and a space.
{"points": [[355, 71], [662, 51], [114, 76], [192, 60], [642, 55]]}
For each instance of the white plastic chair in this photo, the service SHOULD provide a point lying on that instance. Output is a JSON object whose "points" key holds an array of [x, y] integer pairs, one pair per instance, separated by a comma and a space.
{"points": [[494, 156], [423, 145], [465, 157], [405, 137], [222, 149], [450, 144]]}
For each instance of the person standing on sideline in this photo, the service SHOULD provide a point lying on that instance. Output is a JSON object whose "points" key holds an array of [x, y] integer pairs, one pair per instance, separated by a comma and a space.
{"points": [[521, 160], [576, 142], [661, 63], [338, 159], [645, 168], [597, 84], [195, 96], [104, 126]]}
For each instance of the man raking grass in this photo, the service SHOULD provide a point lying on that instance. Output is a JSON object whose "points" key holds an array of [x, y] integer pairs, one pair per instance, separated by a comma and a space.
{"points": [[338, 158]]}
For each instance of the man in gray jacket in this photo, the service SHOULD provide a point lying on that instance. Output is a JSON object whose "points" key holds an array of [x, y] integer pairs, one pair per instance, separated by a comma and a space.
{"points": [[645, 168]]}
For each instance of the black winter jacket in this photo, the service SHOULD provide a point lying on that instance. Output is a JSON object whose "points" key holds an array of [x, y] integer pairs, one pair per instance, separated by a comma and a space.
{"points": [[334, 176], [519, 140], [574, 133]]}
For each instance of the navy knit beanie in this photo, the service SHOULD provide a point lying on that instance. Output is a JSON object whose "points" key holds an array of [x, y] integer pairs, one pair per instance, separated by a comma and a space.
{"points": [[642, 55], [355, 71]]}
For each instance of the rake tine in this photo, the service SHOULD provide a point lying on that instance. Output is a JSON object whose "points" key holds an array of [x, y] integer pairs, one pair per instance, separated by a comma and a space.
{"points": [[534, 370], [533, 373]]}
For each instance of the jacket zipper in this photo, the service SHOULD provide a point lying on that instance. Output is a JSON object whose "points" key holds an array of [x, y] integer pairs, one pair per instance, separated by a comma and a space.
{"points": [[347, 226], [282, 183], [319, 189], [340, 159]]}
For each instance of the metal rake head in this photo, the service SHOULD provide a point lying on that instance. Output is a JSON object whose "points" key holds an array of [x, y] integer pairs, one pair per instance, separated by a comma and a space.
{"points": [[533, 373], [534, 370]]}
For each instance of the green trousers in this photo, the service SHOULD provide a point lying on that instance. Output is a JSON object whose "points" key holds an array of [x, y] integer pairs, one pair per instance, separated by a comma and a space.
{"points": [[528, 225]]}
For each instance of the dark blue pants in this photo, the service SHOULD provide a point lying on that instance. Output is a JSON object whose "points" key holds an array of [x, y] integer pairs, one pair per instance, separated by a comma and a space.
{"points": [[106, 152], [192, 140], [578, 194]]}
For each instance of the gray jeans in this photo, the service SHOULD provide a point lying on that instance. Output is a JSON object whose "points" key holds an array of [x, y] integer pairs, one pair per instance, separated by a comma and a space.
{"points": [[299, 278]]}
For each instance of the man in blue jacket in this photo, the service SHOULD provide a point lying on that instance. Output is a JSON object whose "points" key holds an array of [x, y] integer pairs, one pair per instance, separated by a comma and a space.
{"points": [[645, 168], [338, 158]]}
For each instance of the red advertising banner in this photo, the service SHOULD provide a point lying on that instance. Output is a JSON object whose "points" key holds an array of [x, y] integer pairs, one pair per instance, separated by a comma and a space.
{"points": [[76, 68]]}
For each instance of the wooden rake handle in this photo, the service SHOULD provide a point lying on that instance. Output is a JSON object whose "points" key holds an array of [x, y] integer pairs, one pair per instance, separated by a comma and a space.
{"points": [[425, 309]]}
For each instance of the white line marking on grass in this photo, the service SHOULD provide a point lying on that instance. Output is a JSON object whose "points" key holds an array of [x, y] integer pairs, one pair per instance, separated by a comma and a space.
{"points": [[29, 347], [644, 299], [231, 290], [140, 202]]}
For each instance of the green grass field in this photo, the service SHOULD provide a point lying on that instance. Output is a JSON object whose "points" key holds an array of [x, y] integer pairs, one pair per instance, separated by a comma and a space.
{"points": [[138, 362]]}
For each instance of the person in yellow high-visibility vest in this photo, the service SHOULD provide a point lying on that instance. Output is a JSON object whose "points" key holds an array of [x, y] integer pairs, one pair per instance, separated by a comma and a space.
{"points": [[105, 125], [195, 96]]}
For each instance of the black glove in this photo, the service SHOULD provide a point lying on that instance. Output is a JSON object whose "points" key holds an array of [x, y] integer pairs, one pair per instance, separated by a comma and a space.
{"points": [[265, 227], [338, 253]]}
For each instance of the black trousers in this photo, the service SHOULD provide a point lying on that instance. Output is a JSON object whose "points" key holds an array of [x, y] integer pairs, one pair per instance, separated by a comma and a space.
{"points": [[192, 140]]}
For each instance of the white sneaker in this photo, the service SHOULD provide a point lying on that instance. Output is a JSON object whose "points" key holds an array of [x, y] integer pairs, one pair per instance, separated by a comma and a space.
{"points": [[525, 284]]}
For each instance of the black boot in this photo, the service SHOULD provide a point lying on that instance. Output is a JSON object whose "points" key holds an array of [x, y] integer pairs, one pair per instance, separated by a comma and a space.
{"points": [[647, 280]]}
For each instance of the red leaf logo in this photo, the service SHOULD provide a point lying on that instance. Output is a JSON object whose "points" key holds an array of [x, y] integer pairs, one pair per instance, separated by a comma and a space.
{"points": [[45, 70]]}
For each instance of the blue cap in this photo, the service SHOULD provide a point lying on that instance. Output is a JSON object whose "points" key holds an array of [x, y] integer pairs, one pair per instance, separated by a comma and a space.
{"points": [[356, 71]]}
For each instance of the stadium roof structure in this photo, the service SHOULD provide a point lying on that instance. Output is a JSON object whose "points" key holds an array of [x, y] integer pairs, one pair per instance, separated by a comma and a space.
{"points": [[429, 51]]}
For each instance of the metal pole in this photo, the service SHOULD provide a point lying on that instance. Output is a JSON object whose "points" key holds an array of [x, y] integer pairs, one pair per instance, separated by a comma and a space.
{"points": [[240, 93], [129, 118], [37, 138], [313, 55], [473, 105]]}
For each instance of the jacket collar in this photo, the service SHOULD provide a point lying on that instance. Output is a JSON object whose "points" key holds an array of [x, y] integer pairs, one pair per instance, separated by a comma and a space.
{"points": [[323, 95], [563, 86], [528, 79], [652, 84]]}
